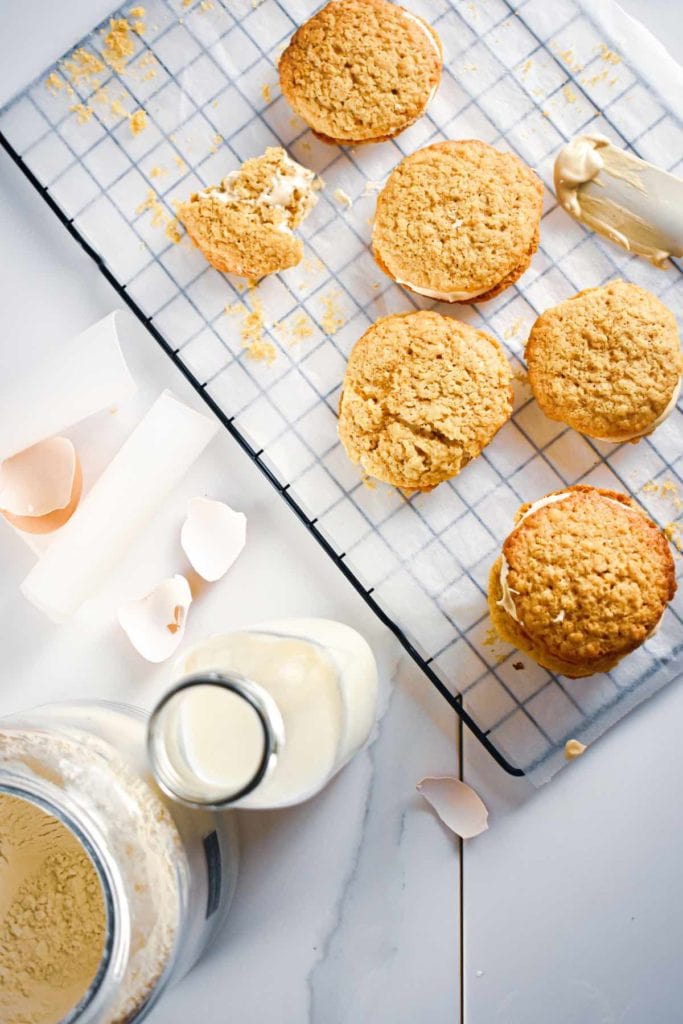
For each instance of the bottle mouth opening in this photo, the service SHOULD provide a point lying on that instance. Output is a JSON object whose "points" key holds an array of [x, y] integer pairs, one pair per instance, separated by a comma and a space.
{"points": [[195, 756], [43, 801]]}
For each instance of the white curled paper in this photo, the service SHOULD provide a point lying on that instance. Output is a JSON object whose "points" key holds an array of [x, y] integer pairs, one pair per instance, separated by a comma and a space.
{"points": [[144, 471], [78, 378]]}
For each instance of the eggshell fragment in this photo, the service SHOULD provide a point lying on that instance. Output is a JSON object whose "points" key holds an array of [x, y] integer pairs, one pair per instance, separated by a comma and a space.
{"points": [[459, 807], [213, 536], [41, 486], [155, 624]]}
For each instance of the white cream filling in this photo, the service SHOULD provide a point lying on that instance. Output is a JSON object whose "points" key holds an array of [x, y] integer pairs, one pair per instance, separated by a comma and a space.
{"points": [[628, 200], [280, 192], [507, 601], [653, 426], [429, 293], [433, 43]]}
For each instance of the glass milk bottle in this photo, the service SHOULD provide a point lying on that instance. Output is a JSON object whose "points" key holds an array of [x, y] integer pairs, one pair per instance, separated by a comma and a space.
{"points": [[264, 717]]}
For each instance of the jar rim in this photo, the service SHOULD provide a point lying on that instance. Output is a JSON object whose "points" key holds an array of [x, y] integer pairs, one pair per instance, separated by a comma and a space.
{"points": [[267, 712]]}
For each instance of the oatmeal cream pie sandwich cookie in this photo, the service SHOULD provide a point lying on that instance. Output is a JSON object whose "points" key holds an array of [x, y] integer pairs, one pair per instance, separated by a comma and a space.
{"points": [[246, 224], [422, 395], [458, 221], [583, 579], [607, 362], [361, 70]]}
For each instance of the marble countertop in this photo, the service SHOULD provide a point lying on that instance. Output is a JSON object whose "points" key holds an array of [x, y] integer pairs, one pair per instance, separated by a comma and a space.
{"points": [[359, 907]]}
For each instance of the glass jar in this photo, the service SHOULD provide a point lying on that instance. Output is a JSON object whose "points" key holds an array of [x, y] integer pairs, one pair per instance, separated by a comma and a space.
{"points": [[167, 873]]}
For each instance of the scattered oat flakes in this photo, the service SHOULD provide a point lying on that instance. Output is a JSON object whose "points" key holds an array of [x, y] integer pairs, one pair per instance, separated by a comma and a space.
{"points": [[569, 94], [265, 93], [340, 196], [137, 122]]}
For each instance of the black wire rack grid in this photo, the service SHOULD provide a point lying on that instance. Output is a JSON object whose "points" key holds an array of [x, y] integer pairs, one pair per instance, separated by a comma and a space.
{"points": [[523, 76]]}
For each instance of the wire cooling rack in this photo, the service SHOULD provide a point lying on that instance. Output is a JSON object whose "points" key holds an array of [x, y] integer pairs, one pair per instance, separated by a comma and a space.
{"points": [[523, 76]]}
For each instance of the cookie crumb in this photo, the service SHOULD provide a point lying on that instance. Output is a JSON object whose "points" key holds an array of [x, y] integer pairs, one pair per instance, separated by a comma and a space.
{"points": [[672, 531], [526, 67], [609, 56], [54, 84], [341, 197], [117, 109], [573, 749], [569, 94], [469, 67], [137, 121], [118, 44], [331, 319], [266, 93], [158, 171], [371, 187], [83, 113], [513, 329], [262, 352], [173, 231], [569, 59], [180, 163], [83, 68]]}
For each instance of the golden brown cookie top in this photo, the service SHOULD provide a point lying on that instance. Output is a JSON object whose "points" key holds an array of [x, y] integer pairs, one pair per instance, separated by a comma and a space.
{"points": [[422, 395], [606, 361], [456, 219], [361, 70], [588, 573], [245, 224]]}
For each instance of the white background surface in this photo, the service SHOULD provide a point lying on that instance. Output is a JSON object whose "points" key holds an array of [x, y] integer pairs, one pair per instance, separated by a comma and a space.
{"points": [[348, 909]]}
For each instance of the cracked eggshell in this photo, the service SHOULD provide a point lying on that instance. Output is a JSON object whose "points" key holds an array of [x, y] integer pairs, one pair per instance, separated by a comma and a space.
{"points": [[212, 537], [40, 487], [155, 624], [459, 807]]}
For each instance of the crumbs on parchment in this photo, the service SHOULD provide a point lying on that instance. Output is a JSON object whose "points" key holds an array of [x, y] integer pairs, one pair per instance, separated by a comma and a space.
{"points": [[137, 121], [161, 218], [331, 319], [341, 197]]}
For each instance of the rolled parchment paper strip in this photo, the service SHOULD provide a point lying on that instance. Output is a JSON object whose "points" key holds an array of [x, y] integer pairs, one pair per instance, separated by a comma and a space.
{"points": [[77, 379], [144, 471]]}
